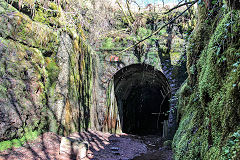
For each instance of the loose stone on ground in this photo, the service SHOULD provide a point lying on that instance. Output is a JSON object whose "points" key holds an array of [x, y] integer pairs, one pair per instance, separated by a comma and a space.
{"points": [[92, 145]]}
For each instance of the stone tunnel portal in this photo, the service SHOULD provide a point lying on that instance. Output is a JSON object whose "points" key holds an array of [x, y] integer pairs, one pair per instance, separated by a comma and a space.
{"points": [[142, 95]]}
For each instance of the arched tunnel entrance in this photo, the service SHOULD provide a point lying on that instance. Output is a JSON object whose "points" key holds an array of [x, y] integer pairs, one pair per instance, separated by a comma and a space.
{"points": [[142, 95]]}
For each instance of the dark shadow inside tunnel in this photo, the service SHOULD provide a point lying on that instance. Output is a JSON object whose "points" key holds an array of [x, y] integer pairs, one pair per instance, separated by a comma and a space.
{"points": [[142, 95]]}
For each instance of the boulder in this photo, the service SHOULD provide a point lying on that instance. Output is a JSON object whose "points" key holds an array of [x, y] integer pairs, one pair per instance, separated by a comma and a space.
{"points": [[74, 148]]}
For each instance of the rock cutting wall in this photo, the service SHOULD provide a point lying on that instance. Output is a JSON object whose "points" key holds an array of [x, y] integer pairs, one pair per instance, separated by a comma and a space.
{"points": [[208, 102], [51, 80], [46, 73]]}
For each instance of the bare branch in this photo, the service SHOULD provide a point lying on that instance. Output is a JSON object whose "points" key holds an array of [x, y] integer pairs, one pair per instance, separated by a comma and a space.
{"points": [[108, 50], [114, 32], [178, 6], [139, 8], [180, 2], [158, 30], [129, 22], [129, 10]]}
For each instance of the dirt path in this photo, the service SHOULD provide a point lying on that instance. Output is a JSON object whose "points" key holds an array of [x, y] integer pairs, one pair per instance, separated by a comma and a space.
{"points": [[102, 146], [156, 151]]}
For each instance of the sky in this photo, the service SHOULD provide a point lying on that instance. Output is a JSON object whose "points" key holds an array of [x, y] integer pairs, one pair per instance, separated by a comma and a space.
{"points": [[145, 2]]}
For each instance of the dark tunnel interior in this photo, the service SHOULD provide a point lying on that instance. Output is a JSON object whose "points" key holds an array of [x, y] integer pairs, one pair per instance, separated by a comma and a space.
{"points": [[142, 95]]}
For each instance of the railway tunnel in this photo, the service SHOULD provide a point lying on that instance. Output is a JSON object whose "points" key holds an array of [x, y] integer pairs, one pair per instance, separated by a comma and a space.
{"points": [[142, 95]]}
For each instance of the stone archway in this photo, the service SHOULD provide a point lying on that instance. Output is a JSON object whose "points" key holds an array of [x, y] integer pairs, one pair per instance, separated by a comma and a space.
{"points": [[142, 94]]}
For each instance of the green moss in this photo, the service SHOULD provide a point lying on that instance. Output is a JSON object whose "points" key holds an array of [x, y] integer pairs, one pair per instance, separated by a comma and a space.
{"points": [[53, 6], [232, 147], [108, 43], [3, 91], [142, 33], [16, 143], [21, 28], [29, 135], [200, 37], [185, 90], [212, 73], [188, 140], [32, 40], [24, 59], [52, 69], [52, 15], [209, 107], [5, 145], [40, 16], [6, 8]]}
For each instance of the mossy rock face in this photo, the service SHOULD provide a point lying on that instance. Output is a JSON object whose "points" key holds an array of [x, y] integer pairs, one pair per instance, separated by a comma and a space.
{"points": [[45, 72], [197, 41], [21, 94], [51, 16], [21, 28], [5, 8], [28, 136], [210, 113]]}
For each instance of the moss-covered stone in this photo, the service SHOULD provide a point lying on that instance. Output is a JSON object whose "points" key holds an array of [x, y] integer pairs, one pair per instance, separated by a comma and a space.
{"points": [[40, 71], [28, 136], [200, 37], [52, 69], [51, 16], [209, 106], [21, 94], [20, 27]]}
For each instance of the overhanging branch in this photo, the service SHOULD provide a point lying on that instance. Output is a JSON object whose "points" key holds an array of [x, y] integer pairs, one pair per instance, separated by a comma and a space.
{"points": [[178, 6], [158, 30]]}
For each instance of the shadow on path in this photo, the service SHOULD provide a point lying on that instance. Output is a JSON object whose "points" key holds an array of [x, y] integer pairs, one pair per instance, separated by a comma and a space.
{"points": [[102, 146]]}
